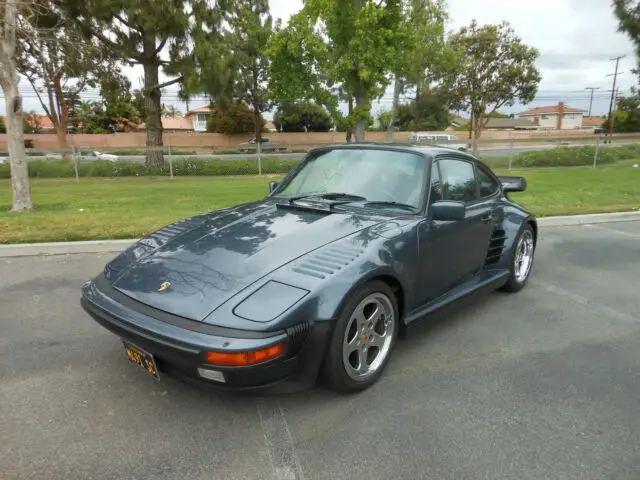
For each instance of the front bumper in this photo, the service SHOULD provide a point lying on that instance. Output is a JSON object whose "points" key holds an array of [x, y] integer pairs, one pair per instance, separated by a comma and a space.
{"points": [[179, 345]]}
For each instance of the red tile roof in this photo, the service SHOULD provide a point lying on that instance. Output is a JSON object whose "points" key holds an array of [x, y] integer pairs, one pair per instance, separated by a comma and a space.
{"points": [[205, 109], [592, 121], [550, 109]]}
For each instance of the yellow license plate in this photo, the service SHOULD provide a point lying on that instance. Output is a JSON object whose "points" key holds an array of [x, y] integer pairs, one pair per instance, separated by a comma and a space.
{"points": [[141, 358]]}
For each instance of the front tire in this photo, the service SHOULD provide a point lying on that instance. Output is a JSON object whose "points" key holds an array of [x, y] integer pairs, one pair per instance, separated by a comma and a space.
{"points": [[521, 260], [363, 339]]}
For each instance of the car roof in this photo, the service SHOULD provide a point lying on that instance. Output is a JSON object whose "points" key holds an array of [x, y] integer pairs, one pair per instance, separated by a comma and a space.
{"points": [[425, 150]]}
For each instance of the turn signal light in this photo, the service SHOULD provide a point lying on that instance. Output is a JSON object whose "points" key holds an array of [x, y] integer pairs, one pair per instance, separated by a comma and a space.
{"points": [[238, 359]]}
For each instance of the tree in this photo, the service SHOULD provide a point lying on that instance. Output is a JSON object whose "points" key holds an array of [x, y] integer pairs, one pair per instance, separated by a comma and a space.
{"points": [[171, 112], [627, 114], [59, 64], [302, 117], [138, 32], [433, 114], [251, 28], [14, 13], [32, 122], [422, 53], [335, 49], [236, 117], [495, 69], [3, 127], [628, 14]]}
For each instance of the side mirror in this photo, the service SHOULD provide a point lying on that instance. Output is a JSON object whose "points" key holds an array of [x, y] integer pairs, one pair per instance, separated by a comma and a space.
{"points": [[448, 211], [273, 186]]}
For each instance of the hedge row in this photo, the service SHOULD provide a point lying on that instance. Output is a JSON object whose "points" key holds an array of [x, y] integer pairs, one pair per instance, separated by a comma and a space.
{"points": [[569, 157], [557, 157], [92, 169]]}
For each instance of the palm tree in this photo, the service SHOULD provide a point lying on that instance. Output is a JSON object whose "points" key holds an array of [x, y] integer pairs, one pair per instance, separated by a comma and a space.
{"points": [[171, 111]]}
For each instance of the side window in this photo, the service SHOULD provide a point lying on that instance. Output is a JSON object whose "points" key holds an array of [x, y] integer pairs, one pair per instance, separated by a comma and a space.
{"points": [[487, 184], [458, 181], [435, 193]]}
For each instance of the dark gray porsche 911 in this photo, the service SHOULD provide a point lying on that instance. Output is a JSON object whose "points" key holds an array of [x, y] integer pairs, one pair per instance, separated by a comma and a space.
{"points": [[317, 279]]}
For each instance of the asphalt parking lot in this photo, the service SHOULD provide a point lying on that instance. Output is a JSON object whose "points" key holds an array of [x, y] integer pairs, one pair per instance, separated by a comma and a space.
{"points": [[541, 384]]}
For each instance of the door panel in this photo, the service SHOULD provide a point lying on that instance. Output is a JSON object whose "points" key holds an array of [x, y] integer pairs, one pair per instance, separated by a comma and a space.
{"points": [[452, 252]]}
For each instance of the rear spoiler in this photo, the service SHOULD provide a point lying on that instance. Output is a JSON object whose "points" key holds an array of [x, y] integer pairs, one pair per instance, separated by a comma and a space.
{"points": [[513, 184]]}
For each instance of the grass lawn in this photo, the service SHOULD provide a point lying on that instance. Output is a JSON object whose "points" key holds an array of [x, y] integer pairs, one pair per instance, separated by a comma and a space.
{"points": [[129, 208]]}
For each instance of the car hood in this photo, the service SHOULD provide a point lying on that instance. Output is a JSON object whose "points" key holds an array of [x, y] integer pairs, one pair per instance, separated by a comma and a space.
{"points": [[195, 272]]}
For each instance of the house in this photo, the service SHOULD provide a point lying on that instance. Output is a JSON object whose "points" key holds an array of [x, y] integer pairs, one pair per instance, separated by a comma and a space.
{"points": [[199, 117], [456, 122], [510, 124], [591, 123], [555, 117], [172, 124]]}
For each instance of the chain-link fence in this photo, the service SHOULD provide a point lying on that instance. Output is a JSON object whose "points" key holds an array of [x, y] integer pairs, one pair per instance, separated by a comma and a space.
{"points": [[275, 157]]}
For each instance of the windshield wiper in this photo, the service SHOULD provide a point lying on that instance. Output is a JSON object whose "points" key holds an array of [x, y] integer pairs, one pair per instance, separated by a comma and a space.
{"points": [[382, 203], [328, 196]]}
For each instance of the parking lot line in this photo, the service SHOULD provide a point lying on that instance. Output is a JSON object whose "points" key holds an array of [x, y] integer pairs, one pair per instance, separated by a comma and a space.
{"points": [[608, 311], [280, 446], [620, 232]]}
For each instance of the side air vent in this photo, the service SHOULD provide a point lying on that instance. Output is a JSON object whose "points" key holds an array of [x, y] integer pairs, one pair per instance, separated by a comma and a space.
{"points": [[297, 335], [327, 261], [496, 247]]}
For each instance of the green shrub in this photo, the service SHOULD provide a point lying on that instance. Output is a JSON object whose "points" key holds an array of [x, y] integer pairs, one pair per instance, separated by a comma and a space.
{"points": [[566, 157], [181, 167]]}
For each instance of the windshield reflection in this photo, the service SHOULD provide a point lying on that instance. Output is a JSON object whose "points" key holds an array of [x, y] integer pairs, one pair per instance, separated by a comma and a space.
{"points": [[377, 175]]}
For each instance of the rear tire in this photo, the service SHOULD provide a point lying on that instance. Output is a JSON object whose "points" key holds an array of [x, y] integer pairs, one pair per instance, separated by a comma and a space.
{"points": [[363, 339], [521, 261]]}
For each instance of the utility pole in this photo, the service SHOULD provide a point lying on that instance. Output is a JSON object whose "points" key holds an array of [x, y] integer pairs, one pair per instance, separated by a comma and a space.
{"points": [[591, 101], [613, 90]]}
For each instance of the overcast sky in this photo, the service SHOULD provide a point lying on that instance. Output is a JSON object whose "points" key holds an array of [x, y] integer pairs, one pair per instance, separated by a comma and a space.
{"points": [[576, 39]]}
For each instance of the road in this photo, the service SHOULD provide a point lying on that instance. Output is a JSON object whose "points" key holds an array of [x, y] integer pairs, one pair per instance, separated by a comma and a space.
{"points": [[484, 152], [541, 384]]}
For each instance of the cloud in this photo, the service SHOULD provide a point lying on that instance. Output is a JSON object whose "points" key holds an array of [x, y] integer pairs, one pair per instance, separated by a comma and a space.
{"points": [[576, 39]]}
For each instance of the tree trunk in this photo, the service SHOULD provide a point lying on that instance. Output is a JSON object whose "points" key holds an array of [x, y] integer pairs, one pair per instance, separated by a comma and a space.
{"points": [[19, 169], [349, 129], [63, 144], [258, 126], [361, 101], [471, 145], [154, 154], [391, 128], [62, 125], [416, 110], [13, 106]]}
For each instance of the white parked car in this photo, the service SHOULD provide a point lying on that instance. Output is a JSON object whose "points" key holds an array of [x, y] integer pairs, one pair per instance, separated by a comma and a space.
{"points": [[86, 156], [95, 155], [441, 140]]}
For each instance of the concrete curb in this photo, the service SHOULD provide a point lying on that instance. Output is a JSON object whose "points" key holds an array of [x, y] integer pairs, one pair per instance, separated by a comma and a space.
{"points": [[64, 248], [573, 220], [114, 246]]}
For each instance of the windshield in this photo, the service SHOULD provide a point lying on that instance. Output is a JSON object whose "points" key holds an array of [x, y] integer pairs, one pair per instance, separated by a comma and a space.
{"points": [[377, 175]]}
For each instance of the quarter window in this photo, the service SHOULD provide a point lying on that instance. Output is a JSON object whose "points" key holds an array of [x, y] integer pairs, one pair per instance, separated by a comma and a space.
{"points": [[458, 181], [487, 184], [436, 185]]}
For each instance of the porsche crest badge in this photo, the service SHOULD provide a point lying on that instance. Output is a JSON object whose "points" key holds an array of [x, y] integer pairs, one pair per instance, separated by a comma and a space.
{"points": [[163, 286]]}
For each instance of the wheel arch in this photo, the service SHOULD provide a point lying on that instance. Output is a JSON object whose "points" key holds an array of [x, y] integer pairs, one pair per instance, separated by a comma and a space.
{"points": [[388, 277], [534, 226]]}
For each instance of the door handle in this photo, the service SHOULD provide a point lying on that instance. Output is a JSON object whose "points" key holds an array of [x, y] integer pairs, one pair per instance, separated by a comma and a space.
{"points": [[487, 218]]}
